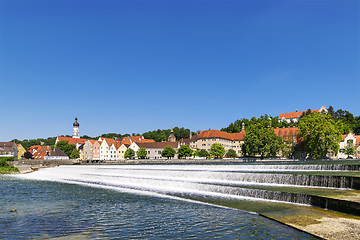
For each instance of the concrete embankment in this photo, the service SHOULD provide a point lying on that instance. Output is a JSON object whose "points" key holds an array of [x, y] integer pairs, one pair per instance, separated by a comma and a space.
{"points": [[30, 165]]}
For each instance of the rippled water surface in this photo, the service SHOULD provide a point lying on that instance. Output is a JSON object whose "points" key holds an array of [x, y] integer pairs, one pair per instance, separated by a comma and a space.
{"points": [[48, 210]]}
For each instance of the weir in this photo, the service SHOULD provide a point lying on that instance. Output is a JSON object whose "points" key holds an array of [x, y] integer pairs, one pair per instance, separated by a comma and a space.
{"points": [[313, 185]]}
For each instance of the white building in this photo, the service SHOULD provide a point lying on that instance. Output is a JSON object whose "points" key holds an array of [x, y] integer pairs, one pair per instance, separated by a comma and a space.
{"points": [[294, 116]]}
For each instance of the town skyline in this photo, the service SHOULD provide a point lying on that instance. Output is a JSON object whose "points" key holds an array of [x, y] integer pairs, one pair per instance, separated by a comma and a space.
{"points": [[132, 66]]}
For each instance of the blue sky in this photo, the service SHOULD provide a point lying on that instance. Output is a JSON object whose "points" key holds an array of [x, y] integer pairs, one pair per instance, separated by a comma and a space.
{"points": [[135, 66]]}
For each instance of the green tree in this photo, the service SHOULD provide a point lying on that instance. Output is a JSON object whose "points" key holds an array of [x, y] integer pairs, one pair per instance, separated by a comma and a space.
{"points": [[66, 147], [217, 150], [168, 152], [350, 149], [320, 134], [129, 153], [260, 139], [74, 154], [231, 154], [141, 153], [185, 151], [202, 153]]}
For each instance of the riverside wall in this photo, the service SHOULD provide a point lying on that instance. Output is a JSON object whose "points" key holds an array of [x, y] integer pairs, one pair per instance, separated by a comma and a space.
{"points": [[29, 165]]}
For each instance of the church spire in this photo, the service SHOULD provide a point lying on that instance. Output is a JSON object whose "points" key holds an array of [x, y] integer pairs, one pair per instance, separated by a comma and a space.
{"points": [[76, 129]]}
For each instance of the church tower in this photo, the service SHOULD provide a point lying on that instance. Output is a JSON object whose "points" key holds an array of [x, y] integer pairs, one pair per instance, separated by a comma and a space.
{"points": [[172, 137], [76, 129]]}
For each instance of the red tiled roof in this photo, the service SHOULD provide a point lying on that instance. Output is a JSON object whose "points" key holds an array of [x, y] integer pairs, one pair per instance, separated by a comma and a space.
{"points": [[73, 141], [287, 133], [294, 114], [42, 152], [220, 134]]}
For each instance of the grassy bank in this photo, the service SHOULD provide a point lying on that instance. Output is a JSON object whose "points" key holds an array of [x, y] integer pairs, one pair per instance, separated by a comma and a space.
{"points": [[5, 168]]}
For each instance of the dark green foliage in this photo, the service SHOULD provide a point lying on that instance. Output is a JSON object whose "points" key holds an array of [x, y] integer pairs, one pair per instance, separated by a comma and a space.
{"points": [[162, 135], [28, 143], [141, 153], [9, 159], [273, 122], [347, 120], [320, 133], [66, 147], [168, 152], [231, 154], [185, 151], [74, 154], [260, 139], [202, 153], [129, 153]]}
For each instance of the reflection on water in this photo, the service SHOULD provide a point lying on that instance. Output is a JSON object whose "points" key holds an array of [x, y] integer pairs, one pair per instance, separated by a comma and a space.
{"points": [[55, 209]]}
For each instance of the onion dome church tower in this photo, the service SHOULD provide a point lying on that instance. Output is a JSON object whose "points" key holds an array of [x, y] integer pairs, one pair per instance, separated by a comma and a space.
{"points": [[76, 129]]}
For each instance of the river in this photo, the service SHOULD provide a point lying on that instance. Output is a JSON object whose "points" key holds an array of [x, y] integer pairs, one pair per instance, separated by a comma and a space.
{"points": [[121, 202]]}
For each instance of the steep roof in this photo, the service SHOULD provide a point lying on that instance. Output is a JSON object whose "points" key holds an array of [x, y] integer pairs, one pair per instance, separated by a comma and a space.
{"points": [[220, 134], [287, 133], [158, 144], [73, 141], [57, 152], [297, 114]]}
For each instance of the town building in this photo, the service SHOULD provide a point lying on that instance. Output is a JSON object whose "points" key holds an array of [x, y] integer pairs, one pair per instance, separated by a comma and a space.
{"points": [[346, 141], [56, 154], [229, 140], [8, 149], [294, 116], [21, 151], [154, 149]]}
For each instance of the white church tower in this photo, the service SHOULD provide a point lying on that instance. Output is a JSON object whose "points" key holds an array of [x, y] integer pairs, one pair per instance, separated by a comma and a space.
{"points": [[76, 129]]}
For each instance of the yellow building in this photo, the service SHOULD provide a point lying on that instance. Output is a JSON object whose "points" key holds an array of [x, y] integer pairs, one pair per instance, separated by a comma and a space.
{"points": [[21, 150], [121, 151]]}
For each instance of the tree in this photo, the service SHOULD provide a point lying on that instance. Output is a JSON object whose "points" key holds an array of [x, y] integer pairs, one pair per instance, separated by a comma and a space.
{"points": [[66, 147], [129, 153], [217, 150], [202, 153], [231, 154], [350, 149], [74, 154], [260, 139], [184, 151], [320, 134], [141, 153], [168, 152]]}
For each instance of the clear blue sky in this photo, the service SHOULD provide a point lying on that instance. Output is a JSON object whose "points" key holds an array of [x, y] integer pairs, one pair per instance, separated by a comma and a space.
{"points": [[134, 66]]}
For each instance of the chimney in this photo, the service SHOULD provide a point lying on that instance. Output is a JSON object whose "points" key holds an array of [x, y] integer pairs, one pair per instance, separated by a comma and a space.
{"points": [[296, 110], [243, 127]]}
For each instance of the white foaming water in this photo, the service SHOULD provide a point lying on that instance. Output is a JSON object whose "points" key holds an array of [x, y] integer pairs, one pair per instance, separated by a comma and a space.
{"points": [[184, 180]]}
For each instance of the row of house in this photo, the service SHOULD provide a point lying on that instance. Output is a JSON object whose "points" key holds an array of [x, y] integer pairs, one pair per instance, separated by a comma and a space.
{"points": [[47, 152], [11, 149]]}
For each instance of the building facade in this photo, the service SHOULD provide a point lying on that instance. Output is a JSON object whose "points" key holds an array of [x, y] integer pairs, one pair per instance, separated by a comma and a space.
{"points": [[294, 116]]}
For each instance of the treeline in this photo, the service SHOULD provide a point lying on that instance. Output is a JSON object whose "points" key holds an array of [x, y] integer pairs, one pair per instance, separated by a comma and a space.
{"points": [[344, 119], [163, 135]]}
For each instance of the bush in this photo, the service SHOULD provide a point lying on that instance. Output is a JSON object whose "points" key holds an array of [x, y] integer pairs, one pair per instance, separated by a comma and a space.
{"points": [[8, 159]]}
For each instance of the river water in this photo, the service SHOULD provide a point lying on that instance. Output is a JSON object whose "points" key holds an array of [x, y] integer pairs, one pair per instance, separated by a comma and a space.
{"points": [[117, 202]]}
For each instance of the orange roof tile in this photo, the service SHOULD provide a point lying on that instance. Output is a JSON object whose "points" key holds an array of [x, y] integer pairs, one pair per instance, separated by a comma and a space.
{"points": [[294, 114], [287, 133], [73, 141], [220, 134]]}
